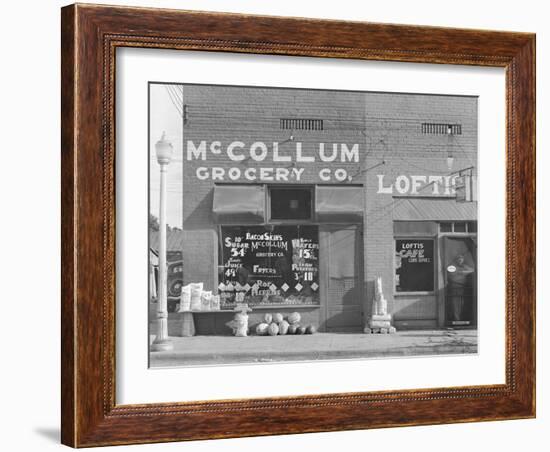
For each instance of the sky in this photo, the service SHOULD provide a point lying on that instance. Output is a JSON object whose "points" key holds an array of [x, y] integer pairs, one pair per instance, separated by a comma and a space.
{"points": [[165, 118]]}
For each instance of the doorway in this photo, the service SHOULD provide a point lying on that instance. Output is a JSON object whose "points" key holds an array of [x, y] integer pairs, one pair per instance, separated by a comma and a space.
{"points": [[342, 276], [460, 277]]}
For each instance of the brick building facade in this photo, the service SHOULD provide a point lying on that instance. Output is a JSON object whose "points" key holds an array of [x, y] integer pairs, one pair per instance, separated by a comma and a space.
{"points": [[383, 175]]}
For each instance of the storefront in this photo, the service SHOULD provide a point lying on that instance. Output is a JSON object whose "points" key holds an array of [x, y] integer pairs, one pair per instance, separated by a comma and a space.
{"points": [[435, 273], [297, 200]]}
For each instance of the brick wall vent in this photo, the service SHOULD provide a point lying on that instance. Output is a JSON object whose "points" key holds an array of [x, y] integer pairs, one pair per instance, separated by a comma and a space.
{"points": [[441, 129], [301, 124]]}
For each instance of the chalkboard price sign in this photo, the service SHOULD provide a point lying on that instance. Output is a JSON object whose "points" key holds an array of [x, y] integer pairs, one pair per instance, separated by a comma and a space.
{"points": [[269, 265]]}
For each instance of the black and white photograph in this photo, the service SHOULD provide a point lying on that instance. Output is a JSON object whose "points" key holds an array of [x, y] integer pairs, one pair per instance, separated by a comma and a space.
{"points": [[267, 226], [292, 224]]}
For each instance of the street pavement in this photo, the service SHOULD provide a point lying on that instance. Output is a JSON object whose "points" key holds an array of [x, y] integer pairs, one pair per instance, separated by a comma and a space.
{"points": [[208, 350]]}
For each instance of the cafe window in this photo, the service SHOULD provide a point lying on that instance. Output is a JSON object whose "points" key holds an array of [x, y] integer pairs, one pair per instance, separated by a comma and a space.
{"points": [[290, 203], [446, 227], [458, 226], [414, 265], [269, 265]]}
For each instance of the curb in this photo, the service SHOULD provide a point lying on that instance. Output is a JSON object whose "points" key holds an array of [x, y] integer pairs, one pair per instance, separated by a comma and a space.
{"points": [[171, 358]]}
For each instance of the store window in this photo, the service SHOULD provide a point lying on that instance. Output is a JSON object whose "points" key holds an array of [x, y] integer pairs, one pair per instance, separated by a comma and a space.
{"points": [[291, 203], [239, 204], [343, 204], [414, 265], [458, 227], [269, 265], [446, 227]]}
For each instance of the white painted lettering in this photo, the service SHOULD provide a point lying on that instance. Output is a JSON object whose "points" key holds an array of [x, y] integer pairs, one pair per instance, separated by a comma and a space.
{"points": [[297, 172], [234, 173], [328, 158], [216, 147], [341, 174], [436, 182], [324, 174], [277, 157], [266, 174], [281, 174], [381, 188], [447, 184], [196, 152], [352, 155], [202, 173], [231, 153], [217, 173], [417, 182], [250, 173], [258, 157], [302, 158], [402, 184]]}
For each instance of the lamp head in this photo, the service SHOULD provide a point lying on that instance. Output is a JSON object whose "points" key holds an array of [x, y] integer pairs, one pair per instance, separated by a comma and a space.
{"points": [[163, 149], [450, 161]]}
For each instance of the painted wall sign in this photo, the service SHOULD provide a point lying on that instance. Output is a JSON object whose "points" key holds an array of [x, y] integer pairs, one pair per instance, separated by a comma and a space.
{"points": [[262, 265], [418, 185], [281, 165]]}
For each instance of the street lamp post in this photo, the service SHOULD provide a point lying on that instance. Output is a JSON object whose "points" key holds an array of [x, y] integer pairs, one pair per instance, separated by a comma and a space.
{"points": [[450, 157], [162, 343]]}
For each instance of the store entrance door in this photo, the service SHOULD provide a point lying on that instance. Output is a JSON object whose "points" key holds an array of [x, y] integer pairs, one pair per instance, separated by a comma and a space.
{"points": [[342, 269], [460, 257]]}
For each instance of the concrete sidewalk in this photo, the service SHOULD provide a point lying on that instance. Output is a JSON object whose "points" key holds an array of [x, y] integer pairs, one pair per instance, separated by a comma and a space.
{"points": [[208, 350]]}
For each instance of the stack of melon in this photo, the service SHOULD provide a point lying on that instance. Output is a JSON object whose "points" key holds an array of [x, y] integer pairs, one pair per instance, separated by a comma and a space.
{"points": [[275, 324]]}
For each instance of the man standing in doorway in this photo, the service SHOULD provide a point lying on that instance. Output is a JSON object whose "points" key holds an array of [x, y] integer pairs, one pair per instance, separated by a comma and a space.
{"points": [[459, 290]]}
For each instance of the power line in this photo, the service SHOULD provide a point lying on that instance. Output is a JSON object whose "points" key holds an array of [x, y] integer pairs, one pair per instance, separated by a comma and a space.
{"points": [[174, 99]]}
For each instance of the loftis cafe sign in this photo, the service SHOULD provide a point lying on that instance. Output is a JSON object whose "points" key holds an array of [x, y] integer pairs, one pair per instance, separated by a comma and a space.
{"points": [[421, 185], [278, 165]]}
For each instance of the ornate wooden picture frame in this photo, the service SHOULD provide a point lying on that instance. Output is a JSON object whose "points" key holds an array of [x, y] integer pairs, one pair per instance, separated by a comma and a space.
{"points": [[90, 36]]}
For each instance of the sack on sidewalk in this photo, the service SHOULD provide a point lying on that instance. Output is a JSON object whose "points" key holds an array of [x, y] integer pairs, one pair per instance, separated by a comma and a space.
{"points": [[215, 303], [185, 300], [196, 290], [206, 297]]}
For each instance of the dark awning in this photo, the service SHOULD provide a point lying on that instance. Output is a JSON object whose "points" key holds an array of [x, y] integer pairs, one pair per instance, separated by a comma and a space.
{"points": [[446, 209], [239, 204], [339, 204]]}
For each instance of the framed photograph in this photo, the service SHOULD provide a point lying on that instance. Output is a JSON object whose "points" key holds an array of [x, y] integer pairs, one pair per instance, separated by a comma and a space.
{"points": [[281, 225]]}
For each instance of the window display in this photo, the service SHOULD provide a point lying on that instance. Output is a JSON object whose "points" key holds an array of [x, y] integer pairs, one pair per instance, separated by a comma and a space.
{"points": [[269, 265], [414, 265]]}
